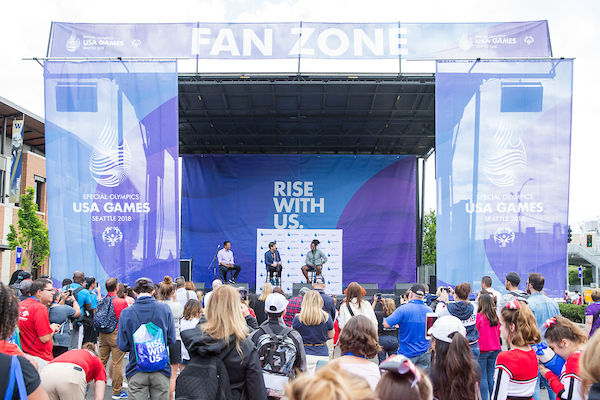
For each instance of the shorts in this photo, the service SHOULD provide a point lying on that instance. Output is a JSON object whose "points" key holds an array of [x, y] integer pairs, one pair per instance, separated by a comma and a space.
{"points": [[175, 352]]}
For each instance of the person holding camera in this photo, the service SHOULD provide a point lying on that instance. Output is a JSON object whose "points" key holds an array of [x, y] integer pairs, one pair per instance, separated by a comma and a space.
{"points": [[388, 337], [61, 313]]}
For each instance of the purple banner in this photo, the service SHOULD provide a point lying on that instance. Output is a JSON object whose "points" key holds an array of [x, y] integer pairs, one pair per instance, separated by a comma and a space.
{"points": [[391, 40], [503, 140], [113, 198]]}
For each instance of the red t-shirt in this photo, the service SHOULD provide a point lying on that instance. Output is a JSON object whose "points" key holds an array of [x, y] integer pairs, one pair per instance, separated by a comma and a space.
{"points": [[33, 323], [10, 348], [118, 303], [91, 364]]}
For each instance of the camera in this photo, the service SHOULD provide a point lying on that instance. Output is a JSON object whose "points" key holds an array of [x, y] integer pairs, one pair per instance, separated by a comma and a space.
{"points": [[378, 296]]}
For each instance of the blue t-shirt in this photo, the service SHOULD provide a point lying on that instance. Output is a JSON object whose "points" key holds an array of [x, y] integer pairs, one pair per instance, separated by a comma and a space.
{"points": [[411, 318], [94, 300], [83, 296], [60, 315], [315, 334]]}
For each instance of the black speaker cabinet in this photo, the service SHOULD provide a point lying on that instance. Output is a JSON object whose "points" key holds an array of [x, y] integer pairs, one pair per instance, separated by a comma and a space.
{"points": [[185, 268], [298, 286], [402, 287], [371, 288], [200, 286]]}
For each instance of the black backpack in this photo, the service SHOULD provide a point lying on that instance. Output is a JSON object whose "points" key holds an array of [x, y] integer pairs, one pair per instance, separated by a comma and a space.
{"points": [[105, 318], [204, 378]]}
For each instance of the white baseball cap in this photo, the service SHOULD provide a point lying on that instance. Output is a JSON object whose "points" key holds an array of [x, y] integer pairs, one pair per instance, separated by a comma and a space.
{"points": [[275, 303], [445, 326]]}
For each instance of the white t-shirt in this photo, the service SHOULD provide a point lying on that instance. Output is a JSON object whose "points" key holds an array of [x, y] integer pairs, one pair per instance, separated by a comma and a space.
{"points": [[182, 295]]}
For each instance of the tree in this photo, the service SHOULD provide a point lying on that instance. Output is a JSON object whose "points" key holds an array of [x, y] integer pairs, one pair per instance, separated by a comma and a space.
{"points": [[429, 230], [32, 233]]}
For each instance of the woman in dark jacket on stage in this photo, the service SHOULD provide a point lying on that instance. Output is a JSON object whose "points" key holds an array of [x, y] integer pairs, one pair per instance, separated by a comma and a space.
{"points": [[224, 334]]}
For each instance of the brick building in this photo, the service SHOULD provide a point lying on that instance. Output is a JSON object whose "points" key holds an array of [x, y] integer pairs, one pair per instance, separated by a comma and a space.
{"points": [[33, 173]]}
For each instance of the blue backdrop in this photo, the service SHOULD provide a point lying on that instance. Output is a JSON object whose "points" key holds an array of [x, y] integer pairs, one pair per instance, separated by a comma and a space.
{"points": [[503, 142], [372, 198]]}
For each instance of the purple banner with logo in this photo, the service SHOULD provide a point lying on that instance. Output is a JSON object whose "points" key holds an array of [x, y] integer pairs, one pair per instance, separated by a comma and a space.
{"points": [[503, 143], [391, 40], [112, 156], [370, 198]]}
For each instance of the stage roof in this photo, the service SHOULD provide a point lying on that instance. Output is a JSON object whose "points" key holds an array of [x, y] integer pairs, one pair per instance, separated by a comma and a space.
{"points": [[307, 114]]}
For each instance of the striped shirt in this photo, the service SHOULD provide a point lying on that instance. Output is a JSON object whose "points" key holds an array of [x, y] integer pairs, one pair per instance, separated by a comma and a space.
{"points": [[516, 375]]}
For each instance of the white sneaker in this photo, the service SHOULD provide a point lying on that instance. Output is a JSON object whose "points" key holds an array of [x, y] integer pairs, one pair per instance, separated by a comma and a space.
{"points": [[125, 385]]}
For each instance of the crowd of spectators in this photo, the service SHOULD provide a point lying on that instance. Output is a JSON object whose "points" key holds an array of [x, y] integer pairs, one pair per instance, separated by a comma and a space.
{"points": [[454, 345]]}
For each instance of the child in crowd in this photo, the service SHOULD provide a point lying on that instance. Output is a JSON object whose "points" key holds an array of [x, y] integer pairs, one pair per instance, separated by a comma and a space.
{"points": [[517, 368], [487, 324], [568, 341], [403, 381]]}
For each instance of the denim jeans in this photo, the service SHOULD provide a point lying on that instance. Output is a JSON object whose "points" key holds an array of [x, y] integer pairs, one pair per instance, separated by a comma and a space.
{"points": [[422, 360], [487, 362], [544, 383], [389, 345]]}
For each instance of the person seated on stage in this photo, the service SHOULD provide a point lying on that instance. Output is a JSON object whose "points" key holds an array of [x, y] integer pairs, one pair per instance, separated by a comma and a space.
{"points": [[314, 260], [226, 264], [273, 263]]}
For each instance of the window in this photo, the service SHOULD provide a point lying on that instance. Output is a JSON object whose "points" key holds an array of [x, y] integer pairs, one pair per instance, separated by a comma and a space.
{"points": [[40, 184]]}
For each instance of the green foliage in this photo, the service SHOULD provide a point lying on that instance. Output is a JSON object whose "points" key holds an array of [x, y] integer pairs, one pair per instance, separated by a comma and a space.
{"points": [[429, 230], [574, 275], [32, 233], [573, 312]]}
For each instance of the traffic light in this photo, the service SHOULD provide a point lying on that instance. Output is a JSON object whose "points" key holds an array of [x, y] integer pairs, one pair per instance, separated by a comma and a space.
{"points": [[589, 240], [570, 235]]}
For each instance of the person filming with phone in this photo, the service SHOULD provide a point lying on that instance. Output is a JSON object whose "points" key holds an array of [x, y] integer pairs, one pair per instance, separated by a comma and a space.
{"points": [[411, 320]]}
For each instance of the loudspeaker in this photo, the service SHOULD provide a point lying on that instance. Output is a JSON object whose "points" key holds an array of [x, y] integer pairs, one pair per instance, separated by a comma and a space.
{"points": [[298, 286], [432, 284], [185, 269], [238, 285], [200, 286], [402, 287], [371, 288]]}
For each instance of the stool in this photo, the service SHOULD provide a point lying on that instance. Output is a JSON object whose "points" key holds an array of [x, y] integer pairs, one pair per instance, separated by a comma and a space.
{"points": [[312, 275]]}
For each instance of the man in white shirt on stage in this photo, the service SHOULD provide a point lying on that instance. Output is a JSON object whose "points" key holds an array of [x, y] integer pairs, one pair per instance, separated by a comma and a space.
{"points": [[225, 259]]}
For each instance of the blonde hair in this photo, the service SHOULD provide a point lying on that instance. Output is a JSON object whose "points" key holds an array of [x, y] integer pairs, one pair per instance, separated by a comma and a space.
{"points": [[311, 312], [224, 316], [267, 289], [589, 367], [329, 383], [390, 307]]}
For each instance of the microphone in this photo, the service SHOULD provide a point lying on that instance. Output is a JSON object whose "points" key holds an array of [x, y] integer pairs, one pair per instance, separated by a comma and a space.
{"points": [[218, 246]]}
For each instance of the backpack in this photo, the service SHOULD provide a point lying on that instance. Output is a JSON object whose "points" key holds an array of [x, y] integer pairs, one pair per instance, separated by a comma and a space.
{"points": [[105, 318], [204, 378], [78, 320], [277, 354], [520, 296], [150, 346]]}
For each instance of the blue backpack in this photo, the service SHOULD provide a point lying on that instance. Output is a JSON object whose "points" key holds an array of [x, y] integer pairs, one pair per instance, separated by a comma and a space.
{"points": [[105, 318], [150, 346]]}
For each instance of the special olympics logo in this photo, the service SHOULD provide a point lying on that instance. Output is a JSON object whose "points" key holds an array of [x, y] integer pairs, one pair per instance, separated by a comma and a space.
{"points": [[136, 42], [112, 235], [73, 42], [110, 161], [504, 236], [528, 40]]}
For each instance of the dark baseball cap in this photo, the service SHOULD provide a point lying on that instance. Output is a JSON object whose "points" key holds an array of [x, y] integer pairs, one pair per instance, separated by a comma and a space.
{"points": [[320, 280], [25, 286], [418, 289], [143, 282], [513, 277]]}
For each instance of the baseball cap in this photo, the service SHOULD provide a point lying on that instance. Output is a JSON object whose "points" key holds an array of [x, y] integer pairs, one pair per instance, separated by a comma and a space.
{"points": [[444, 326], [25, 286], [275, 303], [303, 291], [320, 279], [143, 282], [418, 289], [513, 277]]}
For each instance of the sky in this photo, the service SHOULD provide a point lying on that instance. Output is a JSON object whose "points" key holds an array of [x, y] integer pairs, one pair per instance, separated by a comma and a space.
{"points": [[574, 33]]}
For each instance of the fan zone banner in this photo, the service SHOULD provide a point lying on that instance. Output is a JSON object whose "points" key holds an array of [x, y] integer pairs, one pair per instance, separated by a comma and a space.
{"points": [[503, 144], [371, 199], [112, 164], [317, 40], [16, 161], [292, 247]]}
